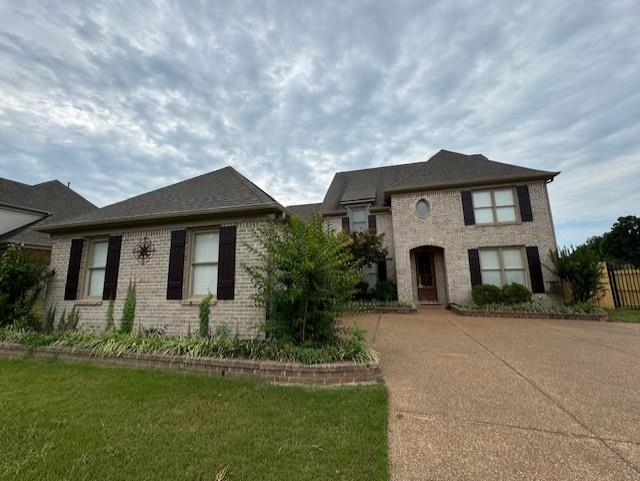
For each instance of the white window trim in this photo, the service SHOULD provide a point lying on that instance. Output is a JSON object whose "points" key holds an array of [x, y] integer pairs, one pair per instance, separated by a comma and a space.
{"points": [[525, 267], [494, 208], [88, 266], [192, 263], [366, 218]]}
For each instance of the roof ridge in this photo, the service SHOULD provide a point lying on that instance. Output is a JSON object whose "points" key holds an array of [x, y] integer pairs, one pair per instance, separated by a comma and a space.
{"points": [[250, 184], [381, 167]]}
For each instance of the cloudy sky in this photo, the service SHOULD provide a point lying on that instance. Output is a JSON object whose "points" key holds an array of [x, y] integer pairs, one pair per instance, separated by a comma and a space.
{"points": [[121, 98]]}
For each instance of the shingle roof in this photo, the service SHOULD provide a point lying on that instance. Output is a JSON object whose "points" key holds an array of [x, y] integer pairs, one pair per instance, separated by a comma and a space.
{"points": [[53, 199], [305, 211], [218, 191], [444, 169]]}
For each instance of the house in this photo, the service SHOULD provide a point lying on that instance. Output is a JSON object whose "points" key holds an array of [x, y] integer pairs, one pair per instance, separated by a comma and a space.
{"points": [[23, 208], [177, 244], [449, 223]]}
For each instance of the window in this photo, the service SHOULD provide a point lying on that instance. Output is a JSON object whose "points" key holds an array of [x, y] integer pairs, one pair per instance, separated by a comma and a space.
{"points": [[422, 208], [370, 275], [494, 206], [204, 263], [97, 266], [502, 266], [359, 220]]}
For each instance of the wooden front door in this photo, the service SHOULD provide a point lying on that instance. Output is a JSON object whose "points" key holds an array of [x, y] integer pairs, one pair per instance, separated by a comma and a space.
{"points": [[426, 276]]}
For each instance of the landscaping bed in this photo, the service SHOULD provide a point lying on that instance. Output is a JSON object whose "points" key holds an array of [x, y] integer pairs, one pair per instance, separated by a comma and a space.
{"points": [[585, 312], [358, 307], [79, 422]]}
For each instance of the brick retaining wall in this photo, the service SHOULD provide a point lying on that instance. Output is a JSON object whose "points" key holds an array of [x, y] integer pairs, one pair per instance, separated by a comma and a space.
{"points": [[529, 315], [332, 374]]}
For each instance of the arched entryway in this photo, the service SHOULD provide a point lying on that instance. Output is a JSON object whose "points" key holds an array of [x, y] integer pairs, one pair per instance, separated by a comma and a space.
{"points": [[428, 275]]}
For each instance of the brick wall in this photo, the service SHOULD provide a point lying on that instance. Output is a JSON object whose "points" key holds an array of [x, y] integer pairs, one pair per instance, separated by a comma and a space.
{"points": [[444, 227], [153, 310]]}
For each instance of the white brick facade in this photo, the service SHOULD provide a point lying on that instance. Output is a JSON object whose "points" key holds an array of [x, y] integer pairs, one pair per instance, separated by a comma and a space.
{"points": [[153, 310]]}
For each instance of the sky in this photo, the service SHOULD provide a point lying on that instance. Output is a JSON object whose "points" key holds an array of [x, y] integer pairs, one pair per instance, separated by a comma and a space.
{"points": [[119, 98]]}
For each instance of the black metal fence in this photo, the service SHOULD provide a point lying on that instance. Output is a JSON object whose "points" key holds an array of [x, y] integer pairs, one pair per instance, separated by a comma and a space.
{"points": [[625, 285]]}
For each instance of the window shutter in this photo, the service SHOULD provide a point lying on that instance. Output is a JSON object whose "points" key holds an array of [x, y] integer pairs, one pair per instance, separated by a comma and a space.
{"points": [[227, 263], [111, 270], [467, 208], [535, 270], [345, 225], [474, 267], [176, 264], [73, 271], [382, 271], [372, 224], [525, 203]]}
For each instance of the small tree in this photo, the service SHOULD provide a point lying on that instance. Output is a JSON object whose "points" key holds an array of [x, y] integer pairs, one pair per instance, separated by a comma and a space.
{"points": [[579, 270], [129, 310], [366, 248], [622, 244], [205, 305], [305, 276], [109, 321]]}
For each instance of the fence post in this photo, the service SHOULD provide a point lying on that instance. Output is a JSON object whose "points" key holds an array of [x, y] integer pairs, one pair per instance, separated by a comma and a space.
{"points": [[614, 285]]}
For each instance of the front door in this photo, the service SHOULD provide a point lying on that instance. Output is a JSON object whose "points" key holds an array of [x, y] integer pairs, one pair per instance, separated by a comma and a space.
{"points": [[426, 276]]}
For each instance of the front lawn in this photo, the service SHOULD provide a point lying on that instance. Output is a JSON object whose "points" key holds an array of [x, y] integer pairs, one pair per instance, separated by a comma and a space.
{"points": [[75, 422], [624, 315]]}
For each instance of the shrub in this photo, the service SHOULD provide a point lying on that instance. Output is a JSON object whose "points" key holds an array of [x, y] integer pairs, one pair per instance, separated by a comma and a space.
{"points": [[129, 310], [385, 291], [49, 321], [361, 292], [579, 270], [72, 319], [21, 281], [486, 294], [205, 305], [62, 323], [515, 294], [109, 322], [304, 276]]}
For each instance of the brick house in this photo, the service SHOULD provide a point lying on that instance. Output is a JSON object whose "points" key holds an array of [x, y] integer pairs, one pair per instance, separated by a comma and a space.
{"points": [[450, 223]]}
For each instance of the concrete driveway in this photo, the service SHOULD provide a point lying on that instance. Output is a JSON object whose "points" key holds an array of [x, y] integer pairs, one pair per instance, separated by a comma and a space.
{"points": [[509, 399]]}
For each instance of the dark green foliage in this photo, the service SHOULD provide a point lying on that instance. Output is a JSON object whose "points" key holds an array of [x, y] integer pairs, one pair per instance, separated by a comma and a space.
{"points": [[361, 292], [129, 310], [205, 305], [62, 323], [580, 272], [366, 248], [72, 319], [109, 321], [21, 282], [49, 320], [486, 294], [515, 294], [385, 291], [622, 244], [304, 277]]}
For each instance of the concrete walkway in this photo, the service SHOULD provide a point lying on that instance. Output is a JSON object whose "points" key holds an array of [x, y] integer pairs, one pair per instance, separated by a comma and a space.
{"points": [[509, 399]]}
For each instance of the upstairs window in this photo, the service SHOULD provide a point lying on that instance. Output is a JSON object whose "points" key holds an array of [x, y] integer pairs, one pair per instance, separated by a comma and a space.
{"points": [[96, 267], [204, 263], [494, 206], [359, 220], [502, 266]]}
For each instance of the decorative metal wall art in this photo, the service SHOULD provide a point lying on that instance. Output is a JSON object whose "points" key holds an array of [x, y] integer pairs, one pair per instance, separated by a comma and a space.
{"points": [[144, 250]]}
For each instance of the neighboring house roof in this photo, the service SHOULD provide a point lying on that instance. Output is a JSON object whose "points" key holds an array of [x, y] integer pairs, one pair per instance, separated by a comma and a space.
{"points": [[223, 190], [305, 211], [444, 169], [54, 200]]}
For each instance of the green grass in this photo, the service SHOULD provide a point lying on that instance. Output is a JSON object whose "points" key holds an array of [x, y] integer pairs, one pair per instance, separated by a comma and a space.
{"points": [[76, 422], [624, 315]]}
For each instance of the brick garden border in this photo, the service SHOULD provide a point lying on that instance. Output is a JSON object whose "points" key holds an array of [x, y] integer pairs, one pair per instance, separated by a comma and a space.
{"points": [[528, 315], [332, 374]]}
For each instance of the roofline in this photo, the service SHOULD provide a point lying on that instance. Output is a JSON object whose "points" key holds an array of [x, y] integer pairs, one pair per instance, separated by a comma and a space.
{"points": [[26, 209], [166, 216], [449, 185]]}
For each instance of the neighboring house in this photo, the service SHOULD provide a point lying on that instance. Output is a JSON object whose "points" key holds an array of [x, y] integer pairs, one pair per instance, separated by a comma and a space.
{"points": [[26, 207], [177, 244], [450, 223]]}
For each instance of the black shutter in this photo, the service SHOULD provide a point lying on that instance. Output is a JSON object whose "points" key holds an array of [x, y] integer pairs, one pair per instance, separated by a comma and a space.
{"points": [[382, 271], [535, 270], [526, 215], [73, 271], [345, 225], [227, 262], [176, 264], [111, 270], [372, 224], [474, 267], [467, 208]]}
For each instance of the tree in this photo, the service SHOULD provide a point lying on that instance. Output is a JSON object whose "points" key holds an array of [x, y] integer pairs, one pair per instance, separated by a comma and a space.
{"points": [[366, 248], [22, 279], [304, 276], [622, 244], [580, 272]]}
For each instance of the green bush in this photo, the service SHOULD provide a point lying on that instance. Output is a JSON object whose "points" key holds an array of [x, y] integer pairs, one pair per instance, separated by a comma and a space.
{"points": [[486, 294], [62, 322], [361, 292], [205, 305], [385, 291], [580, 272], [129, 310], [537, 308], [109, 321], [515, 294], [49, 321], [72, 319]]}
